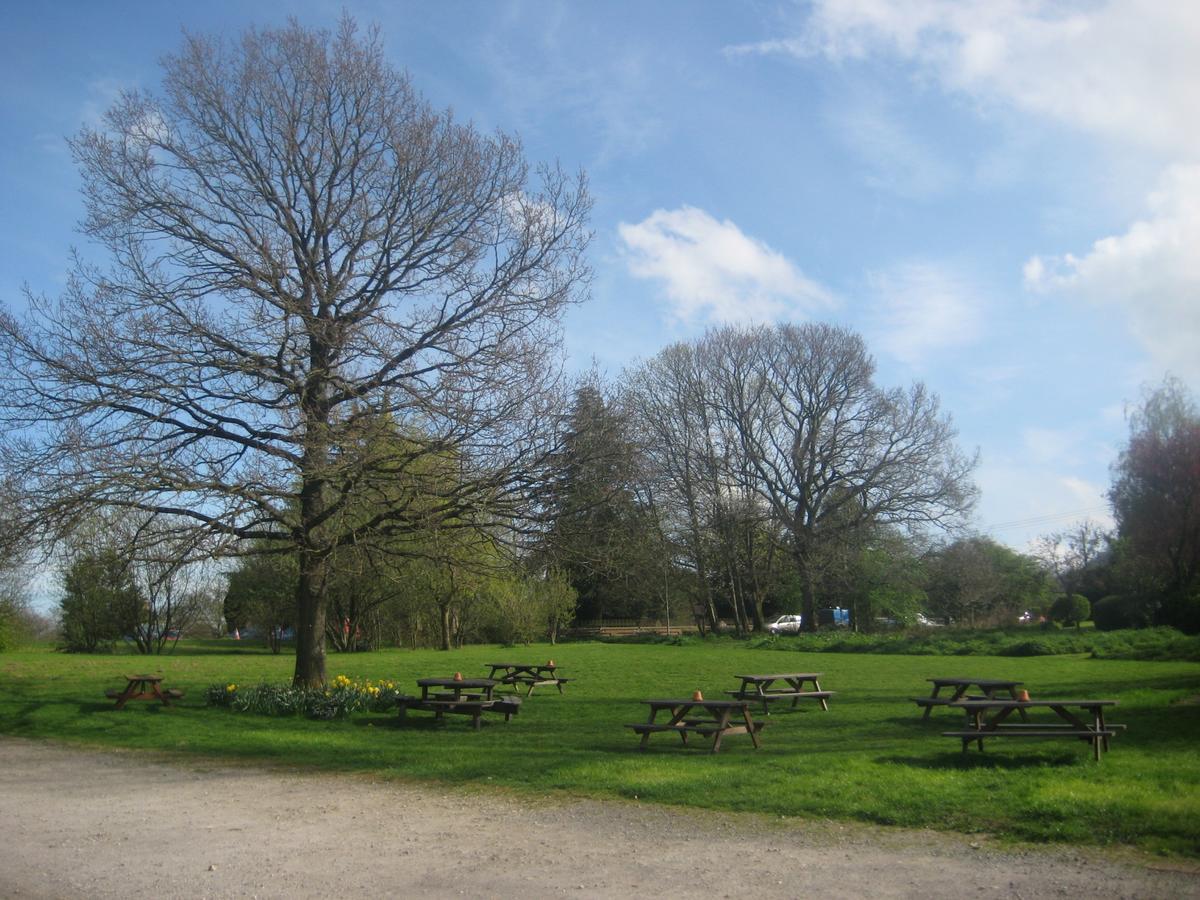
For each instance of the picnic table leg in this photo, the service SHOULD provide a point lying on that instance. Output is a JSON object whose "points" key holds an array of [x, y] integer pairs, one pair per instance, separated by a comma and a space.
{"points": [[796, 685], [646, 734], [677, 716], [750, 727], [824, 702], [722, 724], [760, 691], [928, 709]]}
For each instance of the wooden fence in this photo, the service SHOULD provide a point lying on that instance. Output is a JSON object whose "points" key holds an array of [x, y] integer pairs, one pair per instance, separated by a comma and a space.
{"points": [[629, 628]]}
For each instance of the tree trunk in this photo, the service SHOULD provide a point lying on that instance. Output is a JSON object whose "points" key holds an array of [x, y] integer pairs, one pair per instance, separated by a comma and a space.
{"points": [[808, 592], [444, 609], [310, 622]]}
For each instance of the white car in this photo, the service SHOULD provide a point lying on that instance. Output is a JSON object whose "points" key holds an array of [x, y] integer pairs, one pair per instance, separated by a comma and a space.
{"points": [[786, 625]]}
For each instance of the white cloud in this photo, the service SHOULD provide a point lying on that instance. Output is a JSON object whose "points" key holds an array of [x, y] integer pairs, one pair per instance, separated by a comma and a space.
{"points": [[922, 309], [712, 271], [1123, 69], [1152, 272]]}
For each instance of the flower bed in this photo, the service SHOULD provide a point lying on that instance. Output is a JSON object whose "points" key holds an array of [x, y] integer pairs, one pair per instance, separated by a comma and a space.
{"points": [[341, 697]]}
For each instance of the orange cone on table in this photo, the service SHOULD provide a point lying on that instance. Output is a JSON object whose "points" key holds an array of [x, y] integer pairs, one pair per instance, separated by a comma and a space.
{"points": [[697, 694], [550, 662], [1023, 696], [458, 676]]}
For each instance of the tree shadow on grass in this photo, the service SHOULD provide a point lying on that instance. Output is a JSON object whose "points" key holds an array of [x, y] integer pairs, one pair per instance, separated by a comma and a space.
{"points": [[974, 760], [424, 722]]}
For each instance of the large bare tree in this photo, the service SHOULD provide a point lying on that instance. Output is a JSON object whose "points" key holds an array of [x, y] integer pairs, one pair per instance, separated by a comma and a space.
{"points": [[830, 451], [298, 243]]}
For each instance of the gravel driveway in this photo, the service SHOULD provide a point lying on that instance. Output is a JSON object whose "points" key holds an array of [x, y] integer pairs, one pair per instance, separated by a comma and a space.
{"points": [[85, 823]]}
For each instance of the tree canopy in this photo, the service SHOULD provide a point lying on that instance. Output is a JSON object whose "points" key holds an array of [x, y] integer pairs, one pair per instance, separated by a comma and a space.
{"points": [[1156, 500], [297, 241]]}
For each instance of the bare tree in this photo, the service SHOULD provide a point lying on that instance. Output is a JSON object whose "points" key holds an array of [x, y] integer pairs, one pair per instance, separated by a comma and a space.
{"points": [[669, 395], [175, 582], [830, 451], [298, 242], [1067, 555]]}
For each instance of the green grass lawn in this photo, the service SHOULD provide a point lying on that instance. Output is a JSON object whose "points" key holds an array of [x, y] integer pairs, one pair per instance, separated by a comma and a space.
{"points": [[869, 758]]}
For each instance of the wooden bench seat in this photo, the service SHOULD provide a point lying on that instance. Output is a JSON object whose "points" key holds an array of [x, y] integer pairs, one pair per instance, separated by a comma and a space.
{"points": [[473, 705], [1097, 738], [1030, 731], [510, 706], [643, 728], [771, 696], [942, 701], [168, 694], [453, 704], [1046, 726], [691, 726], [532, 682]]}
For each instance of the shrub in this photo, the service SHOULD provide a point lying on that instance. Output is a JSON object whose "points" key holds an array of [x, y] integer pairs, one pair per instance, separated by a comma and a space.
{"points": [[1031, 648], [1071, 609]]}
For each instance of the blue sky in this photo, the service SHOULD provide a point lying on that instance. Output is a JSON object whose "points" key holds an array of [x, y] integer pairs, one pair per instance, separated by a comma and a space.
{"points": [[1003, 196]]}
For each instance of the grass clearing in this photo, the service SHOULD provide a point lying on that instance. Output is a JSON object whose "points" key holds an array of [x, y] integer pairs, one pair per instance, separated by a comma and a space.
{"points": [[870, 758]]}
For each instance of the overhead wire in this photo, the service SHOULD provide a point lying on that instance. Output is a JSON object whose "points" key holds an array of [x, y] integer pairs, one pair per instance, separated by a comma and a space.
{"points": [[1045, 519]]}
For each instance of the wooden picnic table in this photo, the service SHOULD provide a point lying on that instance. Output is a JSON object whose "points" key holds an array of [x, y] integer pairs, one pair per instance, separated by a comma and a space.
{"points": [[461, 696], [987, 719], [143, 687], [711, 718], [533, 675], [765, 690], [989, 687]]}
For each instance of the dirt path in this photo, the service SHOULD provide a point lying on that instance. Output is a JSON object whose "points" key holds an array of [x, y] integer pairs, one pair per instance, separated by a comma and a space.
{"points": [[80, 823]]}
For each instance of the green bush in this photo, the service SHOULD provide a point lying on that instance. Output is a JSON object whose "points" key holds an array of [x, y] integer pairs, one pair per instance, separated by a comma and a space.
{"points": [[1071, 609], [1031, 648]]}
